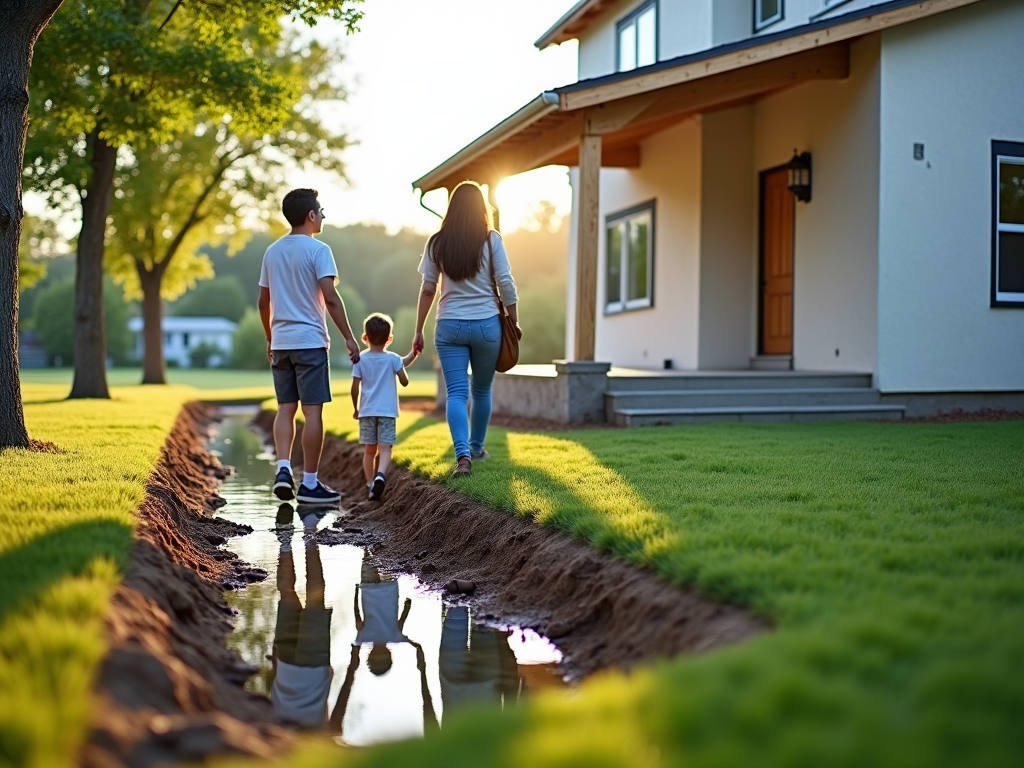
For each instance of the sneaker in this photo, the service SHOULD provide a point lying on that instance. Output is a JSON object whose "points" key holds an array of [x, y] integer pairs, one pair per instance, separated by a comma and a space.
{"points": [[284, 486], [377, 488], [481, 455], [464, 468], [319, 495]]}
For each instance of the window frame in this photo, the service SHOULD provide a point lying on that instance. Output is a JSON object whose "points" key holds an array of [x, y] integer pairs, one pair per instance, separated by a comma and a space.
{"points": [[760, 23], [631, 18], [1001, 151], [623, 217]]}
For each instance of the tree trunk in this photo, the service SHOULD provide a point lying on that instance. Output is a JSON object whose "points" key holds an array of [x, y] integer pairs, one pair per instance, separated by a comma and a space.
{"points": [[20, 25], [90, 341], [153, 368]]}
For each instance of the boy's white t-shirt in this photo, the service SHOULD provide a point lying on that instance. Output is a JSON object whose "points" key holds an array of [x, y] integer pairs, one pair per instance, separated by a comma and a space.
{"points": [[292, 268], [378, 393]]}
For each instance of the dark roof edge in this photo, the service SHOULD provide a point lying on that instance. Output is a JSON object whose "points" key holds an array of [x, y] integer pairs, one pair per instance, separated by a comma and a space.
{"points": [[751, 42]]}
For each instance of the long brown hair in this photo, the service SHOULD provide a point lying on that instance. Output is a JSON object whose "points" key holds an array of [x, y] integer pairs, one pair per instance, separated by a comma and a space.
{"points": [[457, 248]]}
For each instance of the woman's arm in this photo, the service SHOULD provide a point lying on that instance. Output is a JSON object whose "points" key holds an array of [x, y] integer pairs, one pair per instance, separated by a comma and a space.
{"points": [[427, 292]]}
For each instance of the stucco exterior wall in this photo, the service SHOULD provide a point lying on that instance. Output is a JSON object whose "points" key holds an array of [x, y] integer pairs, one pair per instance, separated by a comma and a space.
{"points": [[670, 174], [690, 26], [835, 323], [954, 83], [728, 211]]}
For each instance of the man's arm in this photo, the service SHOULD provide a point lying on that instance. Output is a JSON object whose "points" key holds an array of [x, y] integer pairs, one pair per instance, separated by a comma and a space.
{"points": [[336, 309], [263, 303], [355, 397]]}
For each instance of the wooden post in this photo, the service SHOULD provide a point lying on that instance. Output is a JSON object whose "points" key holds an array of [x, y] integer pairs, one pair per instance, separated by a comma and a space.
{"points": [[587, 215], [492, 198]]}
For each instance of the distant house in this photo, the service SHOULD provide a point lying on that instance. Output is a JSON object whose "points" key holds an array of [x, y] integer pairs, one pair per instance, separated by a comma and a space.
{"points": [[183, 335], [802, 187]]}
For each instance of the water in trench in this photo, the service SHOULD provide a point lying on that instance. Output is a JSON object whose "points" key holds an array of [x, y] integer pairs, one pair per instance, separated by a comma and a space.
{"points": [[340, 645]]}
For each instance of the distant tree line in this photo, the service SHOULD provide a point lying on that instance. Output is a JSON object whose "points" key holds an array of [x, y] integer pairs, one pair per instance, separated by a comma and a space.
{"points": [[377, 273]]}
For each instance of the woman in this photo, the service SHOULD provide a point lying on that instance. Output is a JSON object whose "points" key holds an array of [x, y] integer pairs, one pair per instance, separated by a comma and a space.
{"points": [[468, 333]]}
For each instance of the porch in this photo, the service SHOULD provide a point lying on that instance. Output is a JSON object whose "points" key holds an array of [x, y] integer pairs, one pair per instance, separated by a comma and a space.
{"points": [[579, 392]]}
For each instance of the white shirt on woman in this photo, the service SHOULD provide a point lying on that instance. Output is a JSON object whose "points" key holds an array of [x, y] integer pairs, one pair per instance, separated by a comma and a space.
{"points": [[473, 299]]}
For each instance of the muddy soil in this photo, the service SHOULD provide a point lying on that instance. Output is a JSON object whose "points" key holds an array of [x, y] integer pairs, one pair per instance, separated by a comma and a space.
{"points": [[600, 611], [169, 690]]}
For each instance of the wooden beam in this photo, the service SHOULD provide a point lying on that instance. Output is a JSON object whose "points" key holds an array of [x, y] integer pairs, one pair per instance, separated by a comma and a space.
{"points": [[611, 157], [831, 63], [587, 206], [745, 57], [538, 151]]}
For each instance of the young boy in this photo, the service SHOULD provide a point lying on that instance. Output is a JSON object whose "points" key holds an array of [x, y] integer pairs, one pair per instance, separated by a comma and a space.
{"points": [[377, 411], [296, 287]]}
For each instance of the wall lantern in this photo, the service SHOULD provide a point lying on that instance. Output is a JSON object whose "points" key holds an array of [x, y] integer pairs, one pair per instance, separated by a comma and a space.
{"points": [[800, 176]]}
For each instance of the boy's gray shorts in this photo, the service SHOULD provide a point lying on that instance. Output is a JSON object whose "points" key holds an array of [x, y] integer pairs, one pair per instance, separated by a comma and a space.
{"points": [[377, 430], [301, 375]]}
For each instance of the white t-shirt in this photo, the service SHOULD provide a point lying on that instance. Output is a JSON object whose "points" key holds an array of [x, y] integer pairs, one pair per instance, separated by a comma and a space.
{"points": [[378, 392], [292, 269], [473, 299], [300, 693], [380, 614]]}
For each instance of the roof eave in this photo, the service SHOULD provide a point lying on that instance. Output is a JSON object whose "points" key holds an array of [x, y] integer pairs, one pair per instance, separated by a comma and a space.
{"points": [[546, 102], [557, 33]]}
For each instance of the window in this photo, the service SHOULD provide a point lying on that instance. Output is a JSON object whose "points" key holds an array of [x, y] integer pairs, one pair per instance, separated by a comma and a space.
{"points": [[629, 267], [184, 339], [1008, 224], [766, 12], [638, 37]]}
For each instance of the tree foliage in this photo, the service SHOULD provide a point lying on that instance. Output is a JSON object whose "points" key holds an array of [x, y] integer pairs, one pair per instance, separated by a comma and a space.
{"points": [[220, 297], [39, 241], [117, 84], [215, 183], [52, 320]]}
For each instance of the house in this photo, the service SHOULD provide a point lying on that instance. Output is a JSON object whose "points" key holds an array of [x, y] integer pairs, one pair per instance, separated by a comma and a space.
{"points": [[780, 193], [190, 341]]}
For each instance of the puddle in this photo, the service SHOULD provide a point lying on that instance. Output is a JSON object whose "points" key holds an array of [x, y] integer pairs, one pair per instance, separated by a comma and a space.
{"points": [[340, 645]]}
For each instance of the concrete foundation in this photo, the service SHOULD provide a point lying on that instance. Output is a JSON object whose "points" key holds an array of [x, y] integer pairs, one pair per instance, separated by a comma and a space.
{"points": [[570, 392]]}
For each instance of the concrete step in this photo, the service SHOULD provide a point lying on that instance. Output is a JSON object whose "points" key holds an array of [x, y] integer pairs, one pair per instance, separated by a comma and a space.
{"points": [[737, 380], [639, 417], [772, 363], [710, 398]]}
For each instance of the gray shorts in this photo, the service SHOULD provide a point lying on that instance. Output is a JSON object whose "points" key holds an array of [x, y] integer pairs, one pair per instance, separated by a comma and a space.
{"points": [[302, 375], [377, 430]]}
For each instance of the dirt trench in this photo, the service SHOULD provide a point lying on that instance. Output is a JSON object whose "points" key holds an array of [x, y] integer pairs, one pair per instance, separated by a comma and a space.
{"points": [[601, 612], [169, 690]]}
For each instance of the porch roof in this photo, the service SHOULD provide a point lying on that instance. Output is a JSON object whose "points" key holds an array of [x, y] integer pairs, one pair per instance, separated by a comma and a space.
{"points": [[626, 107]]}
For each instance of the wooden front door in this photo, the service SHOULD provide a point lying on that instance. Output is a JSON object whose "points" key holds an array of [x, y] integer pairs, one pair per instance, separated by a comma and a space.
{"points": [[777, 214]]}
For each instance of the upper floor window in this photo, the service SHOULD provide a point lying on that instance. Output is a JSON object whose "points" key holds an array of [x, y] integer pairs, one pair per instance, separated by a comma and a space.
{"points": [[1008, 224], [766, 12], [638, 37]]}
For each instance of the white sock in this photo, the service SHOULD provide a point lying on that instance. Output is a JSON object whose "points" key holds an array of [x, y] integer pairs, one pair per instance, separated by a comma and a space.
{"points": [[309, 479], [284, 464]]}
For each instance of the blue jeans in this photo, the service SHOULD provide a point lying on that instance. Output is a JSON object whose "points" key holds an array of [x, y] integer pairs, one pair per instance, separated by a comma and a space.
{"points": [[460, 344]]}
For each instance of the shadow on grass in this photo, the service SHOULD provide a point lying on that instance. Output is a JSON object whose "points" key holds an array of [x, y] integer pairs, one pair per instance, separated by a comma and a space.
{"points": [[27, 571]]}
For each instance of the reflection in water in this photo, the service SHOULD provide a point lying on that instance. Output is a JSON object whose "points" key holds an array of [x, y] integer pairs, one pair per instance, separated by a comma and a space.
{"points": [[367, 656]]}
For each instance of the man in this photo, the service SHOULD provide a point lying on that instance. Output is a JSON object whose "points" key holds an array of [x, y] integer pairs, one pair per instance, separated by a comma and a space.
{"points": [[297, 285]]}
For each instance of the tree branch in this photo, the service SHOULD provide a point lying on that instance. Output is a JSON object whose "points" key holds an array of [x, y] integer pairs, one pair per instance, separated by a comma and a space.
{"points": [[177, 5], [194, 216]]}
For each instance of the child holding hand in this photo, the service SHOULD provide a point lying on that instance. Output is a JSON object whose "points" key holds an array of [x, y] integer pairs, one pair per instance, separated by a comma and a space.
{"points": [[373, 377]]}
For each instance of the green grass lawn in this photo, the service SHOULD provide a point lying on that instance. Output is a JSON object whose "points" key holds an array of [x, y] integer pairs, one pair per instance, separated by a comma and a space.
{"points": [[224, 383], [890, 558], [65, 532]]}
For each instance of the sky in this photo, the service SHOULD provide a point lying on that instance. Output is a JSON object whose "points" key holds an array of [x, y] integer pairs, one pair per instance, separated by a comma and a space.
{"points": [[425, 78]]}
